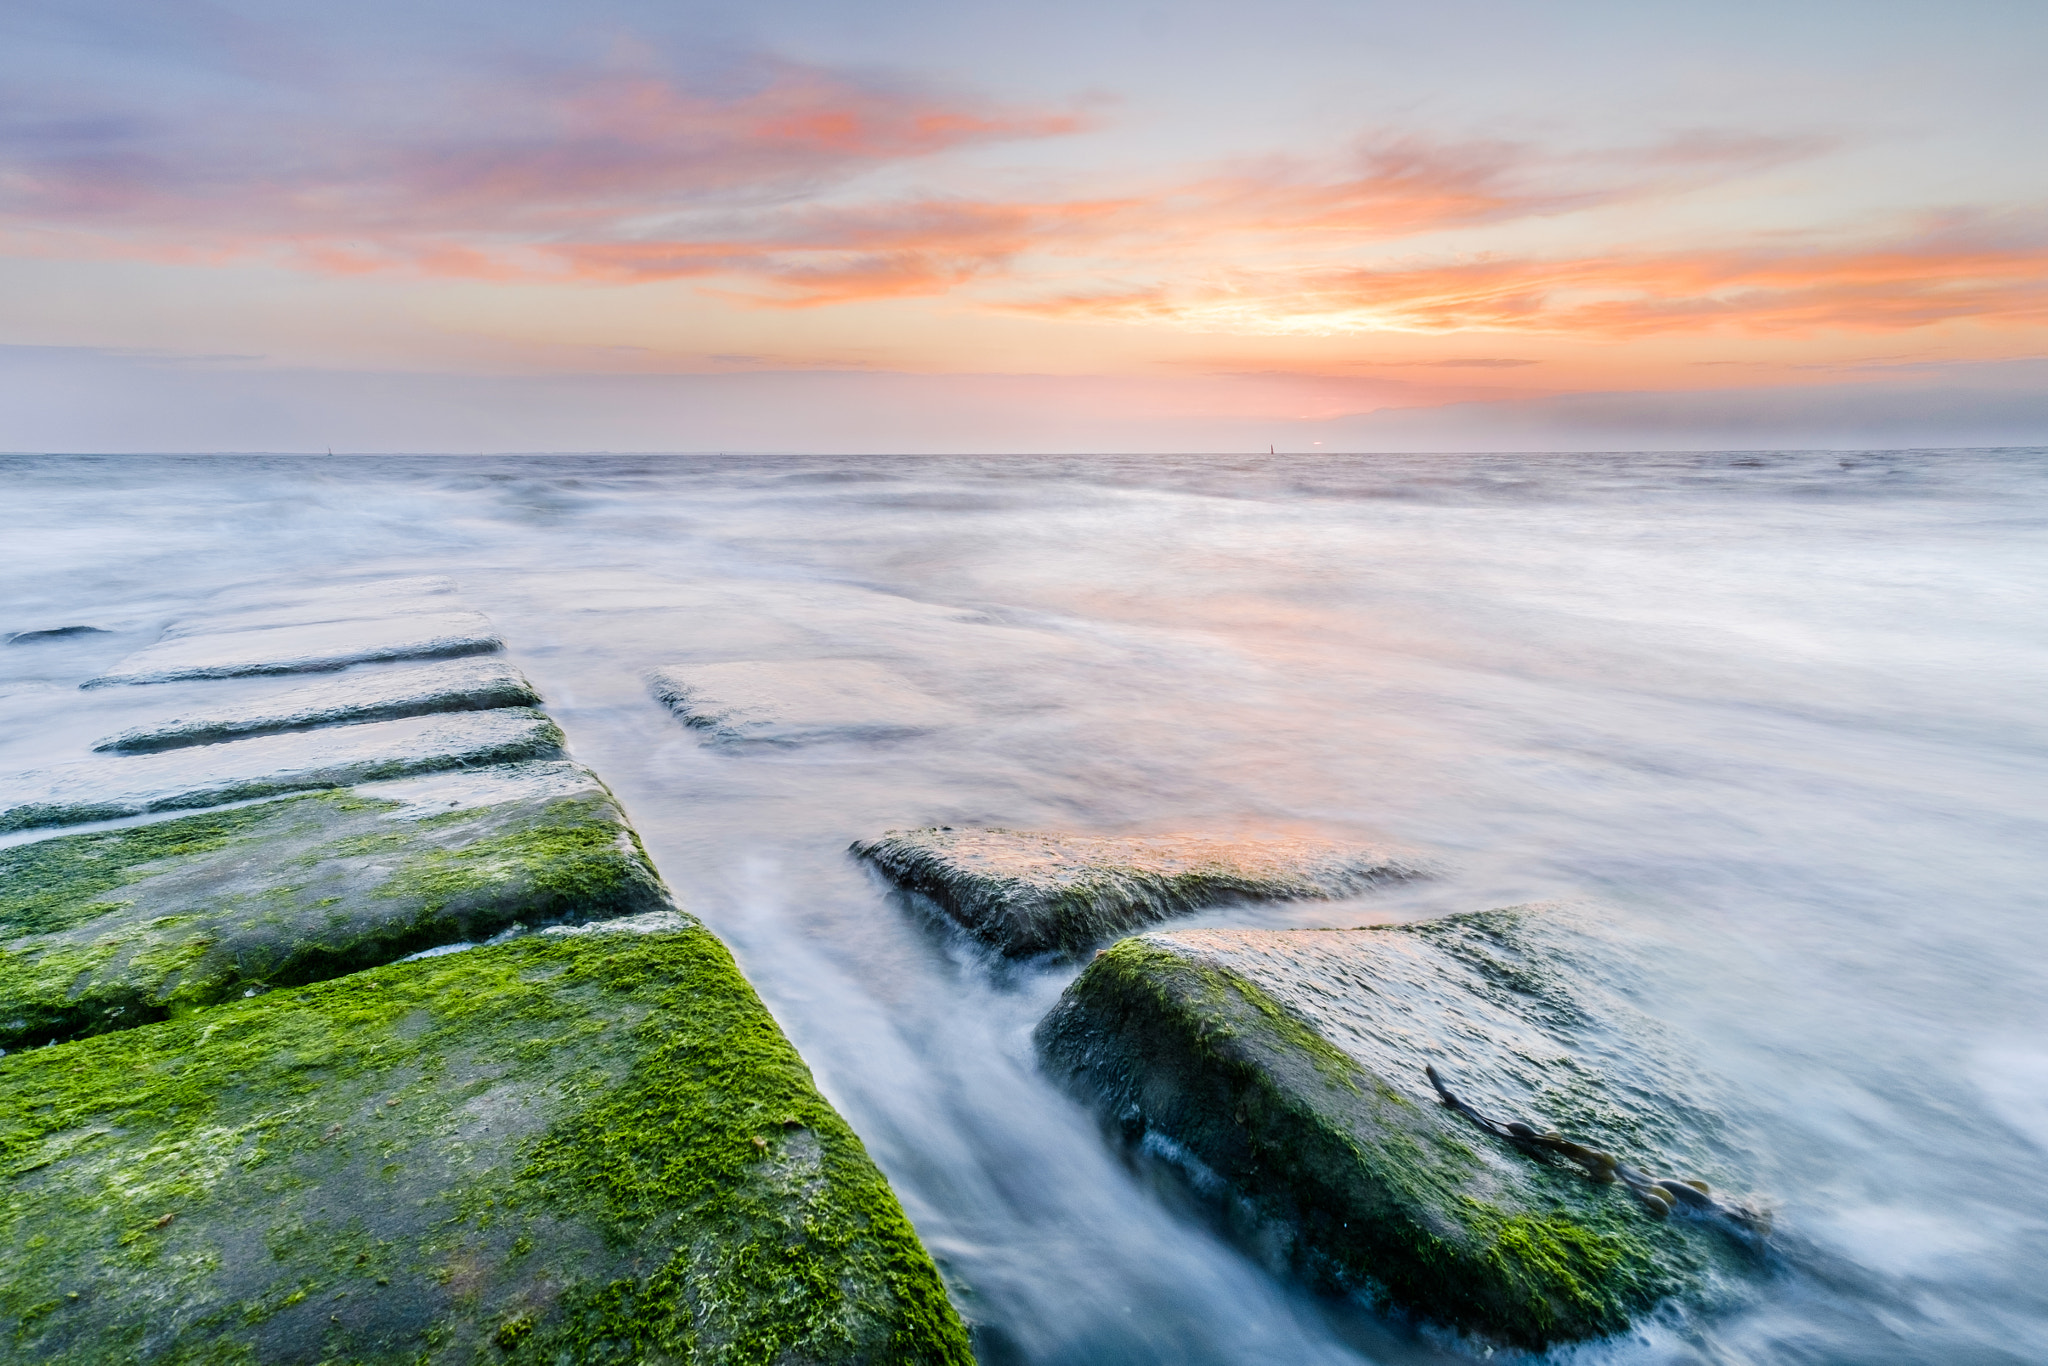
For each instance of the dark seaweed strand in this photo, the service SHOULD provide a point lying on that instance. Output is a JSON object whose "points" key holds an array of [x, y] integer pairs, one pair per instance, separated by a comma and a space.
{"points": [[1659, 1195]]}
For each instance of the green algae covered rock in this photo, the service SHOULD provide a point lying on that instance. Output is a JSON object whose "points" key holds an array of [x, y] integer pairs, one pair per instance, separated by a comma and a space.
{"points": [[565, 1148], [1289, 1066], [116, 928], [1027, 892]]}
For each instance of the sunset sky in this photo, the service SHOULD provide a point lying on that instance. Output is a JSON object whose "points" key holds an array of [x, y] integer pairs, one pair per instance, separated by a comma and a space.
{"points": [[909, 225]]}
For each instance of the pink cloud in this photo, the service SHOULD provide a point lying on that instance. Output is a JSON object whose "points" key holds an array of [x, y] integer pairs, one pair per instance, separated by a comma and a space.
{"points": [[628, 175], [1940, 273], [491, 161]]}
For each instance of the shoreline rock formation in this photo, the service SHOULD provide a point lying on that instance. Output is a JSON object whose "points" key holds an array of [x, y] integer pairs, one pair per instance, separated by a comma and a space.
{"points": [[390, 693], [116, 928], [1288, 1067], [287, 1109], [1028, 892], [114, 786], [789, 702], [582, 1147]]}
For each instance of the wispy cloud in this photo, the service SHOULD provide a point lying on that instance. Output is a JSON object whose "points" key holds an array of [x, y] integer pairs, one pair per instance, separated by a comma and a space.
{"points": [[1939, 272], [626, 173], [516, 157]]}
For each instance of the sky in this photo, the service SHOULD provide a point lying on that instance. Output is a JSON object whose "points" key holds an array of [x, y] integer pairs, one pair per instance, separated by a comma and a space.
{"points": [[906, 225]]}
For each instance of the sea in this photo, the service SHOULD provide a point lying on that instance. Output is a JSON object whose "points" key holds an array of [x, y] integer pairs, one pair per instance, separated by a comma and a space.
{"points": [[1779, 718]]}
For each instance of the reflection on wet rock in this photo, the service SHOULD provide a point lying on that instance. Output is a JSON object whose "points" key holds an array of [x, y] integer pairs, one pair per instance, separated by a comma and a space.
{"points": [[1028, 892]]}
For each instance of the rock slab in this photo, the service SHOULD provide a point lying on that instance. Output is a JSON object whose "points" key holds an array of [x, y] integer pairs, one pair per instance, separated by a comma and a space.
{"points": [[564, 1148], [368, 693], [117, 928], [1027, 892], [115, 786], [792, 701], [1288, 1066], [311, 647], [257, 607]]}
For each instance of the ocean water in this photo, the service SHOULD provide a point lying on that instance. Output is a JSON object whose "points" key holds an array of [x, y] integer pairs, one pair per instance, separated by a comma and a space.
{"points": [[1777, 719]]}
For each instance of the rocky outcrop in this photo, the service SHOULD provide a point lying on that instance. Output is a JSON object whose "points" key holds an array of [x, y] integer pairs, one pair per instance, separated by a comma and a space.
{"points": [[367, 694], [793, 701], [111, 787], [1027, 892], [116, 928], [264, 606], [1288, 1068], [587, 1147], [311, 647], [289, 1110]]}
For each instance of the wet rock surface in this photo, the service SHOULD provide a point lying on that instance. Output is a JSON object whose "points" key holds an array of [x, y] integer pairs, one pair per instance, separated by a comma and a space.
{"points": [[309, 647], [291, 1109], [116, 928], [792, 701], [566, 1147], [368, 693], [54, 633], [114, 786], [1286, 1068], [1028, 892], [260, 607]]}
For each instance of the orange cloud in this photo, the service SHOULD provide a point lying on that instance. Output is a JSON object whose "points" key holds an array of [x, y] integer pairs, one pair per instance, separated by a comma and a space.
{"points": [[816, 257], [626, 177], [629, 176], [1402, 184], [1934, 276]]}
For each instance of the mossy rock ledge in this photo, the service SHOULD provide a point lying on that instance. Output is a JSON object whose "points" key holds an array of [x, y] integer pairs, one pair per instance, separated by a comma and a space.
{"points": [[1028, 892], [115, 928], [1288, 1067], [577, 1146]]}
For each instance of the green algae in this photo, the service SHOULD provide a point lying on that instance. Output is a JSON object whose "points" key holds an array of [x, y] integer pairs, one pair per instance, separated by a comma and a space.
{"points": [[117, 928], [1377, 1194], [53, 884], [586, 1148]]}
